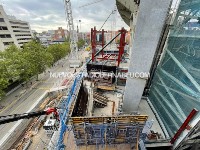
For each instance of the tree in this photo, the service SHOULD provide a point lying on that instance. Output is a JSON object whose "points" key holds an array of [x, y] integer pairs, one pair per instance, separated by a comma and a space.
{"points": [[80, 43], [4, 79], [11, 57], [58, 51], [29, 61], [67, 39], [38, 57], [9, 64], [17, 66]]}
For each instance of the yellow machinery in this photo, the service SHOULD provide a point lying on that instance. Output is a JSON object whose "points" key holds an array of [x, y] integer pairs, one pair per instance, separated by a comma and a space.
{"points": [[88, 48]]}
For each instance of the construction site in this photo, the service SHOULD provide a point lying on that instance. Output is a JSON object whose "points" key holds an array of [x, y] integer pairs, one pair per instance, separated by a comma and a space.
{"points": [[141, 96]]}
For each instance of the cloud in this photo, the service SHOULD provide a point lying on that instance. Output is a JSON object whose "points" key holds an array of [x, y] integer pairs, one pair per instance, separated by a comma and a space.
{"points": [[49, 14]]}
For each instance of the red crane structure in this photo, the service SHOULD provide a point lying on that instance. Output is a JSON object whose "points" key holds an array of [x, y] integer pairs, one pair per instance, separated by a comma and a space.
{"points": [[121, 45]]}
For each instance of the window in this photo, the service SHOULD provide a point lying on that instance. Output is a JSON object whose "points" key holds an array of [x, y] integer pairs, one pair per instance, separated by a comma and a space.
{"points": [[13, 22], [2, 20], [24, 39], [23, 35], [5, 36], [20, 27], [3, 28], [7, 43], [21, 31]]}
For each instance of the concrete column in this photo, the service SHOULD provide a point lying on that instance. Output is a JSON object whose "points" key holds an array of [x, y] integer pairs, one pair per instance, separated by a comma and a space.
{"points": [[90, 99], [150, 22], [133, 22]]}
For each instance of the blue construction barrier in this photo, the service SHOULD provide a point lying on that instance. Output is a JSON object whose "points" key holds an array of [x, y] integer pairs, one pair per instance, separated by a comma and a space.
{"points": [[63, 114]]}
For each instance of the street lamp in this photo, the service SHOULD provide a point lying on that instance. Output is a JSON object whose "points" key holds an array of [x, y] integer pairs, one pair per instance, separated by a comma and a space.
{"points": [[80, 24]]}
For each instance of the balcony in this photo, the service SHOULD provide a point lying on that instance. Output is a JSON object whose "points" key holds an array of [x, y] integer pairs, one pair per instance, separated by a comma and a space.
{"points": [[21, 29], [23, 37], [4, 32], [3, 24], [7, 40], [23, 41], [21, 33], [18, 24]]}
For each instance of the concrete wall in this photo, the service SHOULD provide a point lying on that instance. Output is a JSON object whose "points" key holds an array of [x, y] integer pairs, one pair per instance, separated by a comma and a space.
{"points": [[9, 31], [150, 21], [21, 39]]}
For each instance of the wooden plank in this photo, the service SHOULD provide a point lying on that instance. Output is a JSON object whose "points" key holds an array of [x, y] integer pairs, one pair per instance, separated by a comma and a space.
{"points": [[104, 87]]}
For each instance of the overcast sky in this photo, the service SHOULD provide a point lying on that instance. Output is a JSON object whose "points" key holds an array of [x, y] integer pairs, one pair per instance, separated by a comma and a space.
{"points": [[49, 14]]}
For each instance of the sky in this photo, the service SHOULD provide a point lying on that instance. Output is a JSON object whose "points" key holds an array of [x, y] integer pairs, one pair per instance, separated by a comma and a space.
{"points": [[46, 15]]}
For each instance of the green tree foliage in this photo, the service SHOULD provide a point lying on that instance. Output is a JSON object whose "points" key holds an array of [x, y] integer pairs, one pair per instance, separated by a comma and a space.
{"points": [[10, 63], [4, 79], [37, 58], [80, 43], [24, 63], [58, 51], [13, 57]]}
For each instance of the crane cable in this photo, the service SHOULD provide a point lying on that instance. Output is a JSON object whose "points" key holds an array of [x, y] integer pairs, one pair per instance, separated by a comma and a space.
{"points": [[104, 47], [107, 19], [90, 3]]}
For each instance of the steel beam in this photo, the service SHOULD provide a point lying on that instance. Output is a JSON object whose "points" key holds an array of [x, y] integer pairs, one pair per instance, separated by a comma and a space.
{"points": [[197, 86], [173, 100], [183, 94], [170, 105], [185, 87], [158, 117], [184, 125], [166, 110]]}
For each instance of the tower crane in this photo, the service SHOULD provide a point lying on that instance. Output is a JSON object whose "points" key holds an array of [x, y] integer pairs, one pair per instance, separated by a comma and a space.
{"points": [[74, 60]]}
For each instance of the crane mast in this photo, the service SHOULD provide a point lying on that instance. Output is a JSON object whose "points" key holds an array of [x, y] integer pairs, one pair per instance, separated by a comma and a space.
{"points": [[73, 59]]}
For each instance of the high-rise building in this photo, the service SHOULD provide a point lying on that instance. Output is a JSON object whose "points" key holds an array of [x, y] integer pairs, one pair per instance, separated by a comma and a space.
{"points": [[13, 31]]}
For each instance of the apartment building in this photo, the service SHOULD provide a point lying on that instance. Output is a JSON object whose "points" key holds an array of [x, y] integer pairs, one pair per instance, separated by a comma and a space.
{"points": [[45, 38], [53, 36], [60, 33], [13, 31]]}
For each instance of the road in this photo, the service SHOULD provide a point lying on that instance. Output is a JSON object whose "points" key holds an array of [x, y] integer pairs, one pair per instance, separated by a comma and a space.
{"points": [[22, 104]]}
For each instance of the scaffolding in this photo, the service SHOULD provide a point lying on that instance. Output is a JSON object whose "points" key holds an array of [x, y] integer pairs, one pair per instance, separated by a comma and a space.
{"points": [[108, 130]]}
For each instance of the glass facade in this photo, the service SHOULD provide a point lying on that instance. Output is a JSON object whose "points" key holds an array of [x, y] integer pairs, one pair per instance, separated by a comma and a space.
{"points": [[175, 88]]}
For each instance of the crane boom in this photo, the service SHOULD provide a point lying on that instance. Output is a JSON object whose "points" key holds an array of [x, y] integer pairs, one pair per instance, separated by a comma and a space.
{"points": [[15, 117]]}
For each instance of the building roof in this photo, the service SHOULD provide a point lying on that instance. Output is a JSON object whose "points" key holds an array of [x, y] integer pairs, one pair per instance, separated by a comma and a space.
{"points": [[59, 40]]}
